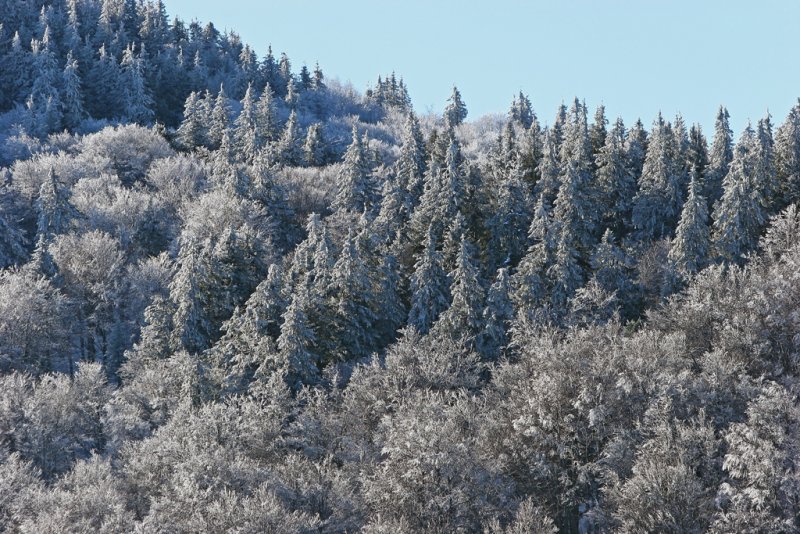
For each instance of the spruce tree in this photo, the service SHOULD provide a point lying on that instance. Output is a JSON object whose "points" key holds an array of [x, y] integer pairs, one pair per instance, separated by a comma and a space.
{"points": [[497, 317], [244, 128], [456, 111], [138, 102], [521, 111], [220, 119], [738, 216], [659, 200], [265, 117], [787, 158], [719, 158], [430, 287], [71, 95], [353, 304], [690, 249], [314, 152], [463, 319], [616, 184], [192, 131], [297, 361], [289, 147], [354, 187], [529, 282], [411, 165]]}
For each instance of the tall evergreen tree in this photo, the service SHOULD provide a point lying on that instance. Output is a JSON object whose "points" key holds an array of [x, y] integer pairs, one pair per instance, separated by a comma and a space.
{"points": [[72, 94], [138, 102], [521, 111], [192, 132], [659, 200], [244, 128], [497, 316], [456, 111], [297, 360], [529, 282], [265, 117], [430, 287], [787, 158], [290, 146], [411, 165], [739, 215], [616, 184], [220, 119], [463, 320], [353, 304], [355, 191], [691, 247], [719, 158]]}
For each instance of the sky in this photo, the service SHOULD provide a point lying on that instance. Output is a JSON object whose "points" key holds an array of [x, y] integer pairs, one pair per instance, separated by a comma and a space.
{"points": [[637, 57]]}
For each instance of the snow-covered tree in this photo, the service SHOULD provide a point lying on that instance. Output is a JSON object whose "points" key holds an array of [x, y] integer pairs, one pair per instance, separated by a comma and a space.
{"points": [[719, 158], [430, 287], [456, 111], [739, 215], [354, 186], [691, 247]]}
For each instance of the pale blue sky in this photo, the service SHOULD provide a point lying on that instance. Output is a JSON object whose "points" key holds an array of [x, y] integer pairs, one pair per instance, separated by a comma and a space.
{"points": [[635, 56]]}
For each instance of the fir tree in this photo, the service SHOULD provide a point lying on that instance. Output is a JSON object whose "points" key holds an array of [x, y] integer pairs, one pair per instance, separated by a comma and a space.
{"points": [[192, 131], [521, 111], [354, 188], [660, 197], [430, 293], [353, 305], [296, 359], [529, 282], [289, 146], [616, 184], [220, 119], [719, 158], [738, 216], [138, 103], [497, 317], [244, 128], [314, 151], [411, 165], [690, 248], [71, 96], [787, 158], [456, 111], [463, 320], [265, 117]]}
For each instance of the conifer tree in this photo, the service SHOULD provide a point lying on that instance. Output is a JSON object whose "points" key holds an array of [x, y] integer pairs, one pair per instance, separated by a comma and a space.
{"points": [[220, 119], [55, 212], [573, 209], [690, 248], [738, 216], [697, 152], [72, 96], [787, 158], [411, 165], [189, 293], [265, 117], [314, 146], [297, 360], [529, 282], [598, 132], [353, 305], [719, 158], [456, 111], [244, 128], [430, 287], [521, 111], [659, 200], [636, 148], [497, 317], [549, 170], [138, 103], [612, 269], [509, 221], [191, 133], [354, 187], [616, 184], [765, 178], [290, 146], [463, 320]]}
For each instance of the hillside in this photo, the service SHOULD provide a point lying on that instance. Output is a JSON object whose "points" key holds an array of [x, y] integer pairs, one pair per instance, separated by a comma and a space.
{"points": [[238, 296]]}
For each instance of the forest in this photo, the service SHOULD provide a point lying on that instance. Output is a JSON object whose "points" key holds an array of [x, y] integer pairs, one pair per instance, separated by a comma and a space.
{"points": [[238, 296]]}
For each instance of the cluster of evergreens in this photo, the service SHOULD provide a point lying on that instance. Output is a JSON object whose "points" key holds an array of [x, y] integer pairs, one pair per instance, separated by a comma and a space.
{"points": [[239, 298]]}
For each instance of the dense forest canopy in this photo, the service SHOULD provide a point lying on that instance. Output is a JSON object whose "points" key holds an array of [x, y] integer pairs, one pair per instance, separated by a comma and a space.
{"points": [[239, 296]]}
